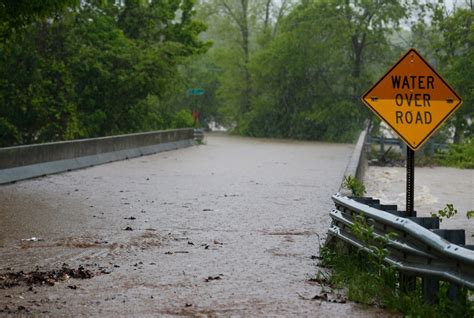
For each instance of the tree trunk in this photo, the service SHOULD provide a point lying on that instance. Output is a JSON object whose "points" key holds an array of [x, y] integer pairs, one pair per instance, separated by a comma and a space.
{"points": [[244, 30]]}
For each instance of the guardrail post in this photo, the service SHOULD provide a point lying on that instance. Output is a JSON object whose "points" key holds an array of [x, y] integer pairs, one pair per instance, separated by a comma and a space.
{"points": [[198, 134], [430, 289], [430, 283], [382, 147], [407, 282], [457, 237]]}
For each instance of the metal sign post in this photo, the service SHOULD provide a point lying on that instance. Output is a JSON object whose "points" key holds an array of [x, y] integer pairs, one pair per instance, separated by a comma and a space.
{"points": [[194, 93], [410, 183]]}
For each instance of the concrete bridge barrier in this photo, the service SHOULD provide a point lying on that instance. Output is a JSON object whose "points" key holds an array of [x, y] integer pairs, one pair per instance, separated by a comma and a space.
{"points": [[24, 162], [358, 163]]}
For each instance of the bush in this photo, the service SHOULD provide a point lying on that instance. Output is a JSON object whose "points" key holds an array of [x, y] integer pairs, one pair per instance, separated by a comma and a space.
{"points": [[374, 283], [458, 155], [9, 135], [183, 119]]}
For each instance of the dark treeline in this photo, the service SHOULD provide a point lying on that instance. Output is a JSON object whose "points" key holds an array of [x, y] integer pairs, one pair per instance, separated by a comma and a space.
{"points": [[271, 68]]}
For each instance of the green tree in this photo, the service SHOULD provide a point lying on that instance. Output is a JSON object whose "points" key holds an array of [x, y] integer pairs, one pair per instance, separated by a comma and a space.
{"points": [[98, 70], [448, 43], [17, 14], [36, 88], [309, 79], [455, 53], [238, 30]]}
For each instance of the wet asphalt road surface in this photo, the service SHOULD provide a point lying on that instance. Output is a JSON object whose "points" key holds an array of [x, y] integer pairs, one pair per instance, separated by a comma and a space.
{"points": [[229, 228]]}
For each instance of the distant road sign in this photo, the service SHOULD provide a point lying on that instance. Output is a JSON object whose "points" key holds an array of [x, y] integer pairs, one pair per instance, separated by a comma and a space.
{"points": [[413, 99], [195, 91]]}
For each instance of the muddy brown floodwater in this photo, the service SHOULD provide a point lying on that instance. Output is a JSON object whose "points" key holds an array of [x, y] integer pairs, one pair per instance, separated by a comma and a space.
{"points": [[434, 188], [229, 228]]}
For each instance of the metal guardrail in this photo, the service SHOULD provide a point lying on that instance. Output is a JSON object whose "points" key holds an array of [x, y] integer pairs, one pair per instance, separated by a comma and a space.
{"points": [[415, 249], [383, 141], [386, 141]]}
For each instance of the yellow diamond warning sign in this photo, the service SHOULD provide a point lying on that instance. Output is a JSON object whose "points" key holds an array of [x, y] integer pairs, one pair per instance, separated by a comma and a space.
{"points": [[413, 99]]}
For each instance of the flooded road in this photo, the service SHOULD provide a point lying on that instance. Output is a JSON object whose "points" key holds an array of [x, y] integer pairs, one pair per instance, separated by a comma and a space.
{"points": [[222, 229], [434, 188]]}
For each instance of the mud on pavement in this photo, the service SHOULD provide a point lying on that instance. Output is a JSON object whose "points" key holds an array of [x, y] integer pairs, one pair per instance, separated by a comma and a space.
{"points": [[229, 228]]}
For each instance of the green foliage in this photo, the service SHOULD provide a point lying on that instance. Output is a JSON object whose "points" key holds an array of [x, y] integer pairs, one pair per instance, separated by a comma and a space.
{"points": [[376, 244], [9, 134], [287, 69], [307, 73], [16, 14], [200, 72], [364, 281], [369, 280], [458, 155], [36, 87], [355, 185], [307, 78], [367, 283], [298, 81], [454, 49], [447, 212], [183, 119], [99, 70]]}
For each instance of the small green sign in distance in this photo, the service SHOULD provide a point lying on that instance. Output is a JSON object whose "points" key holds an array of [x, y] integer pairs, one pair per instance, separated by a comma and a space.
{"points": [[195, 91]]}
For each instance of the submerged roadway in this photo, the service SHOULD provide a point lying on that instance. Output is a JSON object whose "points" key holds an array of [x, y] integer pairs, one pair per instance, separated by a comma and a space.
{"points": [[228, 228]]}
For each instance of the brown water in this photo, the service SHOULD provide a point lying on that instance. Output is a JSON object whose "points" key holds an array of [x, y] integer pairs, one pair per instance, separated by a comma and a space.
{"points": [[434, 188], [223, 229]]}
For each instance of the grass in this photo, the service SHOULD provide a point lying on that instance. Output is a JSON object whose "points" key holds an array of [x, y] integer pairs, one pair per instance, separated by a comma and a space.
{"points": [[373, 284], [353, 184]]}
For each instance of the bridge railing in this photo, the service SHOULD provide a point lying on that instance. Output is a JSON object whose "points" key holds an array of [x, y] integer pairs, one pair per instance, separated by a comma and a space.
{"points": [[23, 162]]}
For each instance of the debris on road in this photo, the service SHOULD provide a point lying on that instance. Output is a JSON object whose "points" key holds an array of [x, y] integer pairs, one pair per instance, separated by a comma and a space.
{"points": [[19, 310], [128, 228], [323, 296], [210, 278], [33, 239], [8, 280], [176, 252]]}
